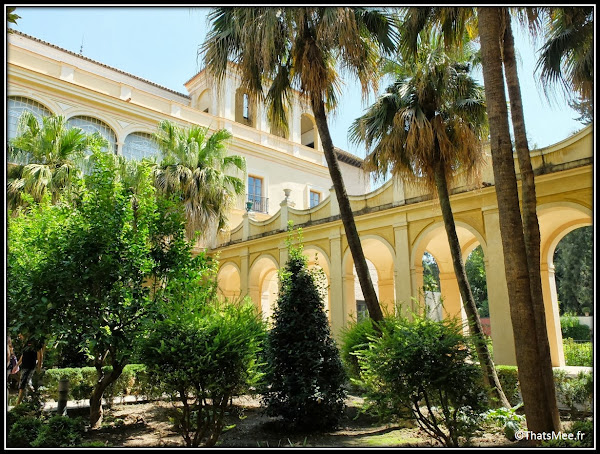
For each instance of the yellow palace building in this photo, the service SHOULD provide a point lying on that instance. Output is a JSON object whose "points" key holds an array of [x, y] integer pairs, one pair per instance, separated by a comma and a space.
{"points": [[287, 180]]}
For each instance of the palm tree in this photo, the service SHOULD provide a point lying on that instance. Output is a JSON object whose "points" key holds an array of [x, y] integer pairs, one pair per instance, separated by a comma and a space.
{"points": [[46, 158], [426, 128], [278, 50], [536, 398], [455, 24], [567, 56], [195, 167], [531, 227]]}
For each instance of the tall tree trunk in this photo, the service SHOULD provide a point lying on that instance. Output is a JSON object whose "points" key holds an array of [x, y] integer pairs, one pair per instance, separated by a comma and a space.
{"points": [[522, 314], [346, 214], [104, 381], [531, 228], [485, 360]]}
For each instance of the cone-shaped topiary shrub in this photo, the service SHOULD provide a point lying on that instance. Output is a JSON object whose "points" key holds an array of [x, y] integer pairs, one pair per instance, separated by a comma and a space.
{"points": [[304, 373]]}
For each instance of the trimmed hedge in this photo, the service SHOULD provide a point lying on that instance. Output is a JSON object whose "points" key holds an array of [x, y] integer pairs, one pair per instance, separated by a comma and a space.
{"points": [[578, 353], [132, 382], [569, 389], [509, 380], [571, 327]]}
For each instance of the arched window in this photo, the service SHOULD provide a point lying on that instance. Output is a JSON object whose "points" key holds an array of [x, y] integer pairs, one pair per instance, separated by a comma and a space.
{"points": [[139, 145], [16, 105], [245, 108], [307, 131], [91, 125], [204, 101]]}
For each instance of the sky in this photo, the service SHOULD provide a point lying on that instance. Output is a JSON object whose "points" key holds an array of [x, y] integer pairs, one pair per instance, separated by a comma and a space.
{"points": [[160, 44]]}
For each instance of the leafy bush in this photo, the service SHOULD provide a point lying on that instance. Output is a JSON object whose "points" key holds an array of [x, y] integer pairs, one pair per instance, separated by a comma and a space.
{"points": [[23, 431], [355, 337], [509, 380], [203, 361], [507, 418], [575, 392], [578, 353], [133, 381], [305, 375], [582, 436], [425, 367], [572, 328], [59, 432]]}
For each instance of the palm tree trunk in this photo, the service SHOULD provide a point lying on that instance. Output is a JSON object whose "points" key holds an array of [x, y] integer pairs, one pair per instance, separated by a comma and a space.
{"points": [[490, 376], [531, 228], [346, 214], [522, 314]]}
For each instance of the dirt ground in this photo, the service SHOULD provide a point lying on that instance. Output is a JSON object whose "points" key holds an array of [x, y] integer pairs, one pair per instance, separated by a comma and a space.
{"points": [[147, 425]]}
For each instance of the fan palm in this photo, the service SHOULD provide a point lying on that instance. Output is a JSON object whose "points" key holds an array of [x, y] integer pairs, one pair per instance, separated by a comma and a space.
{"points": [[567, 56], [278, 50], [426, 129], [46, 158], [456, 24], [195, 168]]}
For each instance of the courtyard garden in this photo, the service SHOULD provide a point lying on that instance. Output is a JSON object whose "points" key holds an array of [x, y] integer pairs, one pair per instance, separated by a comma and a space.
{"points": [[111, 288]]}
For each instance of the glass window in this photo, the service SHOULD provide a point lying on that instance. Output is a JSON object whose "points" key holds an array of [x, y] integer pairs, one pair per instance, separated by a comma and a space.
{"points": [[315, 198], [361, 310], [255, 194], [16, 105], [91, 125], [254, 187], [139, 145]]}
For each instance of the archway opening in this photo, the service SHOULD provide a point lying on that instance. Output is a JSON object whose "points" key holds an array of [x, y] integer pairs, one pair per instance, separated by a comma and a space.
{"points": [[228, 282], [574, 272], [307, 131], [431, 287], [476, 275]]}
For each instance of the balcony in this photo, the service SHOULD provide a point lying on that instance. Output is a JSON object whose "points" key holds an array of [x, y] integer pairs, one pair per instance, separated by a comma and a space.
{"points": [[257, 203]]}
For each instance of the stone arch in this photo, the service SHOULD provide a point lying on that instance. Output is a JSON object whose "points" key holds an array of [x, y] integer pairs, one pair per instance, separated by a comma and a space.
{"points": [[556, 220], [380, 253], [263, 283], [229, 281], [308, 131], [16, 105], [139, 145], [204, 101], [434, 240], [92, 123]]}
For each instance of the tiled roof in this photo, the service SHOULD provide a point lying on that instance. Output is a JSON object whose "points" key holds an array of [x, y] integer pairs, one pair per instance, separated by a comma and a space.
{"points": [[348, 158]]}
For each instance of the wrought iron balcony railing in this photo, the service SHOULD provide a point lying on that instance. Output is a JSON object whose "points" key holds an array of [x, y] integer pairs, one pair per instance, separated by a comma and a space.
{"points": [[257, 203]]}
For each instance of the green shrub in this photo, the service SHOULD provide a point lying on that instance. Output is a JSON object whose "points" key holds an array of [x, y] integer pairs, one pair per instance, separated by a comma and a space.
{"points": [[204, 361], [133, 381], [425, 367], [578, 353], [575, 392], [355, 337], [304, 374], [59, 432], [94, 444], [509, 380], [572, 328], [507, 418], [581, 433], [23, 431]]}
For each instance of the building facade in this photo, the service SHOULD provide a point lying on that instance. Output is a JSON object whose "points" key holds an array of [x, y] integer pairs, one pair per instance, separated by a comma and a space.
{"points": [[287, 179], [126, 110]]}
